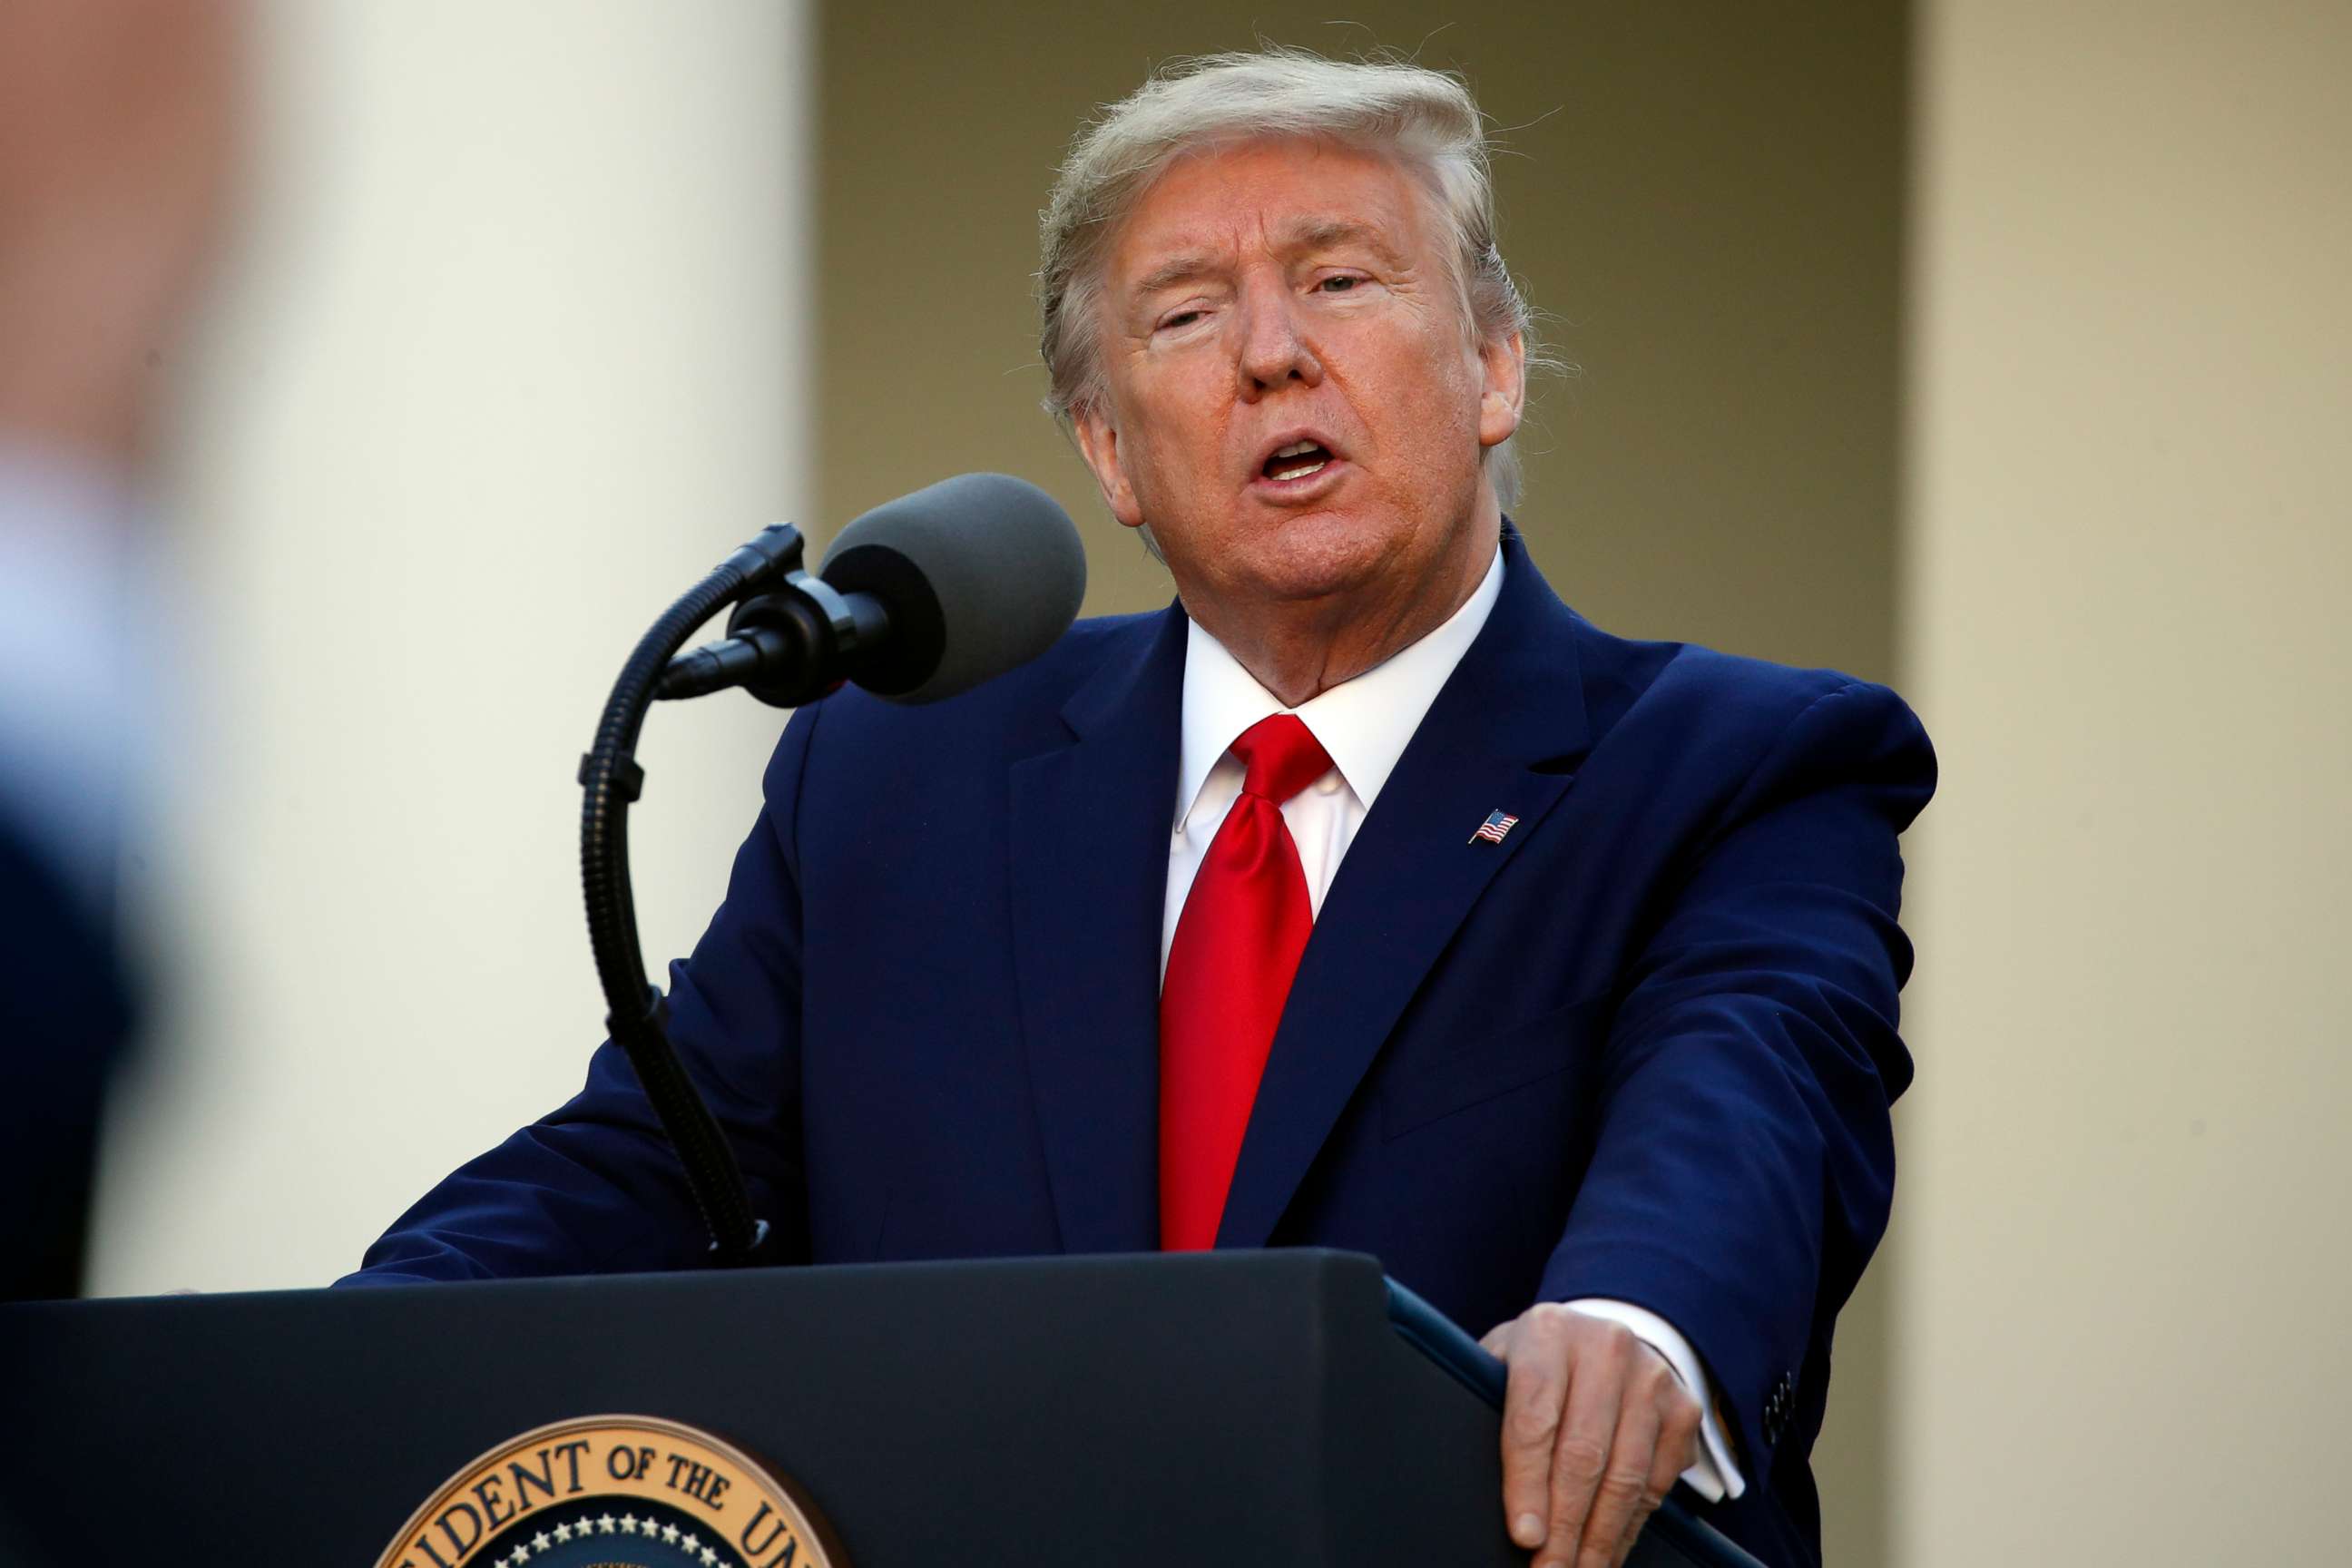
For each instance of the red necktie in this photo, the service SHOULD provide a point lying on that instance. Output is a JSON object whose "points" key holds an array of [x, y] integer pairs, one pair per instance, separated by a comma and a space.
{"points": [[1237, 947]]}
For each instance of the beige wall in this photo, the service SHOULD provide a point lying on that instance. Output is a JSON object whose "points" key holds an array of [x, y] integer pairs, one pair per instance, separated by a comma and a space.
{"points": [[2122, 1325], [1707, 199], [509, 355]]}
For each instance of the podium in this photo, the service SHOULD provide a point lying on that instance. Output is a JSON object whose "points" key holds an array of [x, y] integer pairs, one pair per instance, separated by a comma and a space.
{"points": [[1280, 1408]]}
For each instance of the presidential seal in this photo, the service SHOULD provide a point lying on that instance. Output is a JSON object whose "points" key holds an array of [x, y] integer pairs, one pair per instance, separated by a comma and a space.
{"points": [[612, 1491]]}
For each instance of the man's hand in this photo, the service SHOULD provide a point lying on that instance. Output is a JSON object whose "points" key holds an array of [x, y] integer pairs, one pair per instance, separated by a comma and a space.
{"points": [[1596, 1426], [117, 124]]}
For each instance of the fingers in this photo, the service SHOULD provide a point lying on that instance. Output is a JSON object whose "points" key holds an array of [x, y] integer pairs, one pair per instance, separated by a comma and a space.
{"points": [[1675, 1450], [1596, 1429], [1536, 1349], [1623, 1500], [1634, 1533], [1582, 1479], [1678, 1431]]}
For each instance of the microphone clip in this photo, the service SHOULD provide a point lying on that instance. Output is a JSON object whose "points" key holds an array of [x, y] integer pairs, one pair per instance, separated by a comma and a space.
{"points": [[788, 645]]}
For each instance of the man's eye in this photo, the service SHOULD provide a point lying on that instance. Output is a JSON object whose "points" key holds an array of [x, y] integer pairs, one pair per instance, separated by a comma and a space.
{"points": [[1179, 318], [1339, 284]]}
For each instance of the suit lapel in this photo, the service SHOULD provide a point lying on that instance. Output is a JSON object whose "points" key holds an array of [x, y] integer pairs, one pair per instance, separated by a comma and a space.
{"points": [[1502, 735], [1089, 839]]}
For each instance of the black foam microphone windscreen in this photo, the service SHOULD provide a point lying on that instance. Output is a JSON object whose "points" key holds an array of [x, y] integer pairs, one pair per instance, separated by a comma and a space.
{"points": [[978, 573]]}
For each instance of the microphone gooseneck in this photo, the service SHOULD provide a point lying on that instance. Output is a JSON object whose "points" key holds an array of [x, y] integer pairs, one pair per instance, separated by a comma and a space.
{"points": [[611, 782]]}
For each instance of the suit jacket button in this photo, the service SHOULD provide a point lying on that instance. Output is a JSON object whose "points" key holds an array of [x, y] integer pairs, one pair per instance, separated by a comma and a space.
{"points": [[1778, 1405]]}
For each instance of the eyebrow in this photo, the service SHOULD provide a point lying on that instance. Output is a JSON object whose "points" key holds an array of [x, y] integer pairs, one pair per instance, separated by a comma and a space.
{"points": [[1329, 232], [1174, 270], [1302, 233]]}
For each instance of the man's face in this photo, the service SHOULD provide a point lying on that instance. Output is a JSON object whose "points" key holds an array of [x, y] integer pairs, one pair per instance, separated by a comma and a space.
{"points": [[1291, 293]]}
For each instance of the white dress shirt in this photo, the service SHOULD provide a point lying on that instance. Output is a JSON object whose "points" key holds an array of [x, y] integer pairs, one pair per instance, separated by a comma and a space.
{"points": [[77, 628], [1364, 725]]}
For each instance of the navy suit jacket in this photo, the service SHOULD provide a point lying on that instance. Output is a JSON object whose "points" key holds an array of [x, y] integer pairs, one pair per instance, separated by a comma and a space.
{"points": [[1642, 1049], [67, 1012]]}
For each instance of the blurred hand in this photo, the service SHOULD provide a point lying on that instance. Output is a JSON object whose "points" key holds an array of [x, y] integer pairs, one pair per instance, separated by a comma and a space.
{"points": [[1596, 1427], [116, 130]]}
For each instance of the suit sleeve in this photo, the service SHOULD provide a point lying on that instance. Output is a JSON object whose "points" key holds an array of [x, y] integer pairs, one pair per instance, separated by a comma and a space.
{"points": [[594, 1188], [1745, 1160], [74, 722]]}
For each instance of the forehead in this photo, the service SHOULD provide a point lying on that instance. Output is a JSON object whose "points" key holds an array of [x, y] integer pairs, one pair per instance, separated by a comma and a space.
{"points": [[1274, 195]]}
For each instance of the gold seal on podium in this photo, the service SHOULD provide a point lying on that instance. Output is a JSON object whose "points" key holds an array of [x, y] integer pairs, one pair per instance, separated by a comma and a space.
{"points": [[612, 1491]]}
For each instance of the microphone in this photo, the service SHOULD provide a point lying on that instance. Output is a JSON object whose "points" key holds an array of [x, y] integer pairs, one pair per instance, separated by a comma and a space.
{"points": [[921, 598]]}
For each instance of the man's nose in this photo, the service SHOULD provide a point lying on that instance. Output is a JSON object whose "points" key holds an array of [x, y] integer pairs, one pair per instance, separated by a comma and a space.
{"points": [[1274, 351]]}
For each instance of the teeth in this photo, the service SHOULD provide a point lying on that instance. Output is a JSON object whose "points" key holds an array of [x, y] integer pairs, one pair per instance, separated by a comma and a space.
{"points": [[1297, 473], [1295, 448]]}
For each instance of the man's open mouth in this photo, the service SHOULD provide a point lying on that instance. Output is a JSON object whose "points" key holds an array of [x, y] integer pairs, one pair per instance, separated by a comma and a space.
{"points": [[1295, 461]]}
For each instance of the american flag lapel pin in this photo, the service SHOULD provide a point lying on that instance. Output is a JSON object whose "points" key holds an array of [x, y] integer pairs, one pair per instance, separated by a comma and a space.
{"points": [[1497, 823]]}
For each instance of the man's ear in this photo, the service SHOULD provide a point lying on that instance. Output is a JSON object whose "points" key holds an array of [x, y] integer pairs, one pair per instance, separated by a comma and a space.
{"points": [[1503, 366], [1099, 445]]}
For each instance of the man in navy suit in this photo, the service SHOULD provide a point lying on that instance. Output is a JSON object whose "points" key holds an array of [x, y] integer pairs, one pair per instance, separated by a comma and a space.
{"points": [[1368, 898]]}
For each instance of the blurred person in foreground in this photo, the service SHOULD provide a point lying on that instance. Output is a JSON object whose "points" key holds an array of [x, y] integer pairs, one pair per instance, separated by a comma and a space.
{"points": [[1368, 897], [116, 128]]}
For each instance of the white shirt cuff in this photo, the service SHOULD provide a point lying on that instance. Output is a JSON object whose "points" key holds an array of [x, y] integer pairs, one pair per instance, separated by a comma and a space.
{"points": [[1712, 1474]]}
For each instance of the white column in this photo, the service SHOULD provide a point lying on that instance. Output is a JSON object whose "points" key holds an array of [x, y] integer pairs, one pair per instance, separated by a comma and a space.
{"points": [[2123, 1212], [511, 352]]}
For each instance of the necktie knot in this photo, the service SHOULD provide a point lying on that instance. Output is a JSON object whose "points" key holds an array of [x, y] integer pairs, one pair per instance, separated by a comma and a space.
{"points": [[1282, 756]]}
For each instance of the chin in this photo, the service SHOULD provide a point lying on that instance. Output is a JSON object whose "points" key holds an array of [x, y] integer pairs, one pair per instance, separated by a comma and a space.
{"points": [[1315, 557]]}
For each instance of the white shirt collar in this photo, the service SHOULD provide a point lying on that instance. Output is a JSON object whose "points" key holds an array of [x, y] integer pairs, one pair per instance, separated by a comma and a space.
{"points": [[1364, 723]]}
